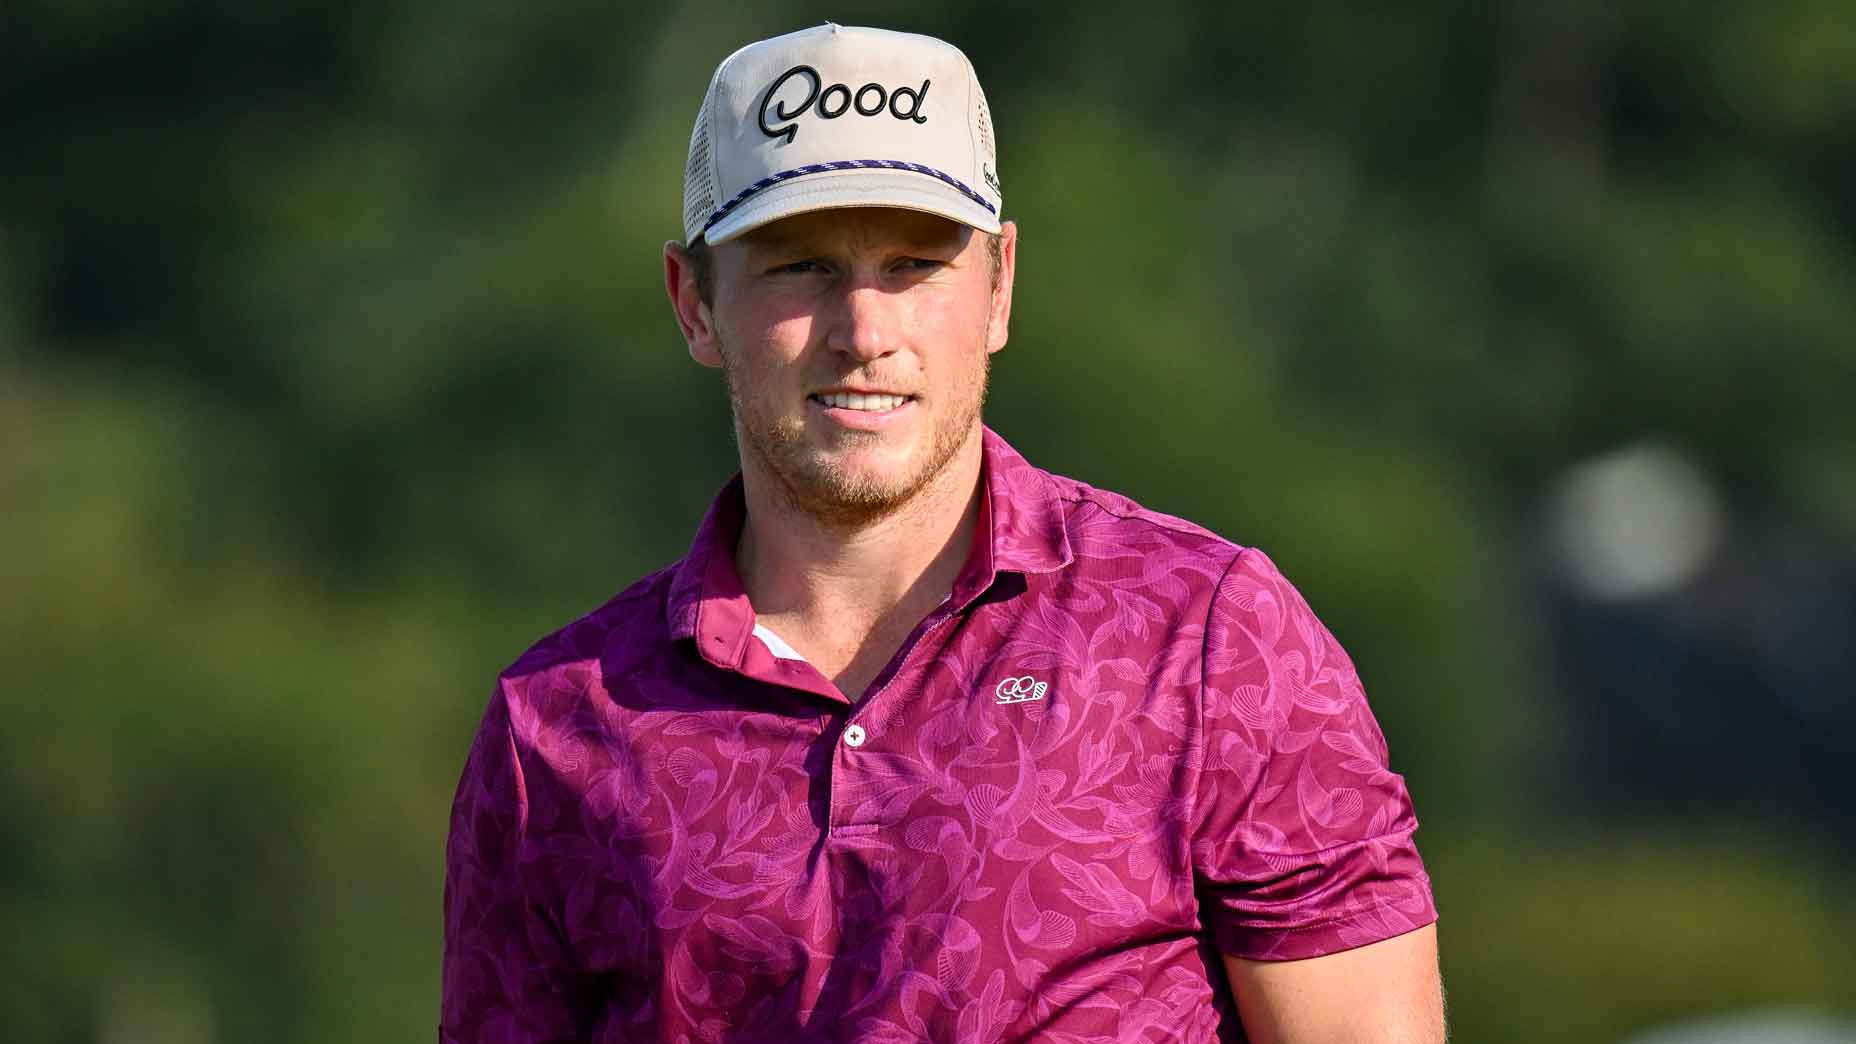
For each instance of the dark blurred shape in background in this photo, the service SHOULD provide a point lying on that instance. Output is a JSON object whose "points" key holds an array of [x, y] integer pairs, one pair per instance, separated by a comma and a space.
{"points": [[334, 368], [1708, 658]]}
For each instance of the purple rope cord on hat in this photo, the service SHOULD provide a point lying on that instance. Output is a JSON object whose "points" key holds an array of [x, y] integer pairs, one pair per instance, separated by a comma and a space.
{"points": [[819, 168]]}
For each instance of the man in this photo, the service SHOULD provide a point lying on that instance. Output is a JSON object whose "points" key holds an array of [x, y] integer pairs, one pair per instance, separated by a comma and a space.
{"points": [[919, 742]]}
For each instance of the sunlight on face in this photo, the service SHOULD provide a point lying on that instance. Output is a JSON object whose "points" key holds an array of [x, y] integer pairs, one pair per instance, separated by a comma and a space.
{"points": [[855, 346]]}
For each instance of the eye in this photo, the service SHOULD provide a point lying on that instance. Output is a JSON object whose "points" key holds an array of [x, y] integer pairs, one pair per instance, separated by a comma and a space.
{"points": [[807, 266], [921, 264]]}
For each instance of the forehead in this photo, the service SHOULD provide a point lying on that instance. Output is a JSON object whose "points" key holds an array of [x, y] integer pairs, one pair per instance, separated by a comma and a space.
{"points": [[859, 228]]}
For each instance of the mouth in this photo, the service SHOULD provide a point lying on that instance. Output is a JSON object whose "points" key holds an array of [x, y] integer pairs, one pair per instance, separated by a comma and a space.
{"points": [[861, 402]]}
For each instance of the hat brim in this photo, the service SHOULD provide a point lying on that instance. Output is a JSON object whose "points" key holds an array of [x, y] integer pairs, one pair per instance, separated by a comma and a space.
{"points": [[828, 190]]}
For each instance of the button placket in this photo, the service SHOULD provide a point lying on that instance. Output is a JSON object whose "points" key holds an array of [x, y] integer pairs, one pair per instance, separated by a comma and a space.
{"points": [[855, 735]]}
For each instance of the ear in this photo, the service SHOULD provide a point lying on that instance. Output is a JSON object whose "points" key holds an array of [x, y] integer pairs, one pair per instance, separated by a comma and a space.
{"points": [[693, 316], [1001, 317]]}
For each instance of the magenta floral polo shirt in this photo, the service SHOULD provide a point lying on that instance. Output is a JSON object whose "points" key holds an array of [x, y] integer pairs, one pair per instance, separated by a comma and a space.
{"points": [[1122, 746]]}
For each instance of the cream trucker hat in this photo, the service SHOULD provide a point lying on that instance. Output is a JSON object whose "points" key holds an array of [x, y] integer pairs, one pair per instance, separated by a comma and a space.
{"points": [[840, 116]]}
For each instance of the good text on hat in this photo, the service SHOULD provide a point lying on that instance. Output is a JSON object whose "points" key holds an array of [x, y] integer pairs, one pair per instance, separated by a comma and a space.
{"points": [[833, 101]]}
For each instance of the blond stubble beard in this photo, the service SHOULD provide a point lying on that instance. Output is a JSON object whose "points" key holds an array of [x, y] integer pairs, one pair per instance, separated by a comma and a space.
{"points": [[826, 492]]}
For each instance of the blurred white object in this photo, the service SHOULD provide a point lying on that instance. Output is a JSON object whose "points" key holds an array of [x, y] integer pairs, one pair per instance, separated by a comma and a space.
{"points": [[1771, 1026], [1634, 523]]}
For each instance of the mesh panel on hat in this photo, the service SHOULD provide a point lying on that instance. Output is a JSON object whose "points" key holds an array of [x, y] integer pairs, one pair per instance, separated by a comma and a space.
{"points": [[698, 187], [983, 118]]}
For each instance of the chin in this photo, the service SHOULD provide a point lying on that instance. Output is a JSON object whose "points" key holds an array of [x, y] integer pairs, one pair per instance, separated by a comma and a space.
{"points": [[866, 485], [857, 484], [848, 476]]}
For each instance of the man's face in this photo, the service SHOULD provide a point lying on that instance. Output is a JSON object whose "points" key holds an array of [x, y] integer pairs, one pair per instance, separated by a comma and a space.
{"points": [[855, 344]]}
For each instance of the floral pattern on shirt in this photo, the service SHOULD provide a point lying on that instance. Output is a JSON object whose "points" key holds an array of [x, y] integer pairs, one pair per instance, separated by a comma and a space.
{"points": [[663, 833]]}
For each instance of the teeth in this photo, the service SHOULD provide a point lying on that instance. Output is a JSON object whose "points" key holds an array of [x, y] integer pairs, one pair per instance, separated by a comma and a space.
{"points": [[859, 401]]}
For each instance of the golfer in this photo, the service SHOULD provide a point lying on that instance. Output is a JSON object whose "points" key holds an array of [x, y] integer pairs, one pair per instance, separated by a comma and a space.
{"points": [[919, 742]]}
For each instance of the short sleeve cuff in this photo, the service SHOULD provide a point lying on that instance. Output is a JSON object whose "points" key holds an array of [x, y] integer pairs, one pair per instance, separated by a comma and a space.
{"points": [[1369, 891]]}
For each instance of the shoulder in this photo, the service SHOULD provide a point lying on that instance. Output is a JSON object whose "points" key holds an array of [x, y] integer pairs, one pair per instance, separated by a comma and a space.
{"points": [[621, 633], [1104, 526], [1113, 536]]}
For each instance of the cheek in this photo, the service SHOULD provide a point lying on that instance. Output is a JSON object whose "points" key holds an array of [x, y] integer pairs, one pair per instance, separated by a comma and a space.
{"points": [[967, 323], [788, 337], [764, 346], [961, 315]]}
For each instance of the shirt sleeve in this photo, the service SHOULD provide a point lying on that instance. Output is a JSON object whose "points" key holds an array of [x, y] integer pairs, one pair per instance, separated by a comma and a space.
{"points": [[507, 976], [1302, 834]]}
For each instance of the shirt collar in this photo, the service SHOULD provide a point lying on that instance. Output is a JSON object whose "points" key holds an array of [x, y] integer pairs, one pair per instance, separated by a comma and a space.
{"points": [[1020, 530], [1024, 527]]}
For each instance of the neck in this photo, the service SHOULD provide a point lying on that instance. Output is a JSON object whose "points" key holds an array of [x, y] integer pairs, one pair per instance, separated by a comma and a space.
{"points": [[855, 579]]}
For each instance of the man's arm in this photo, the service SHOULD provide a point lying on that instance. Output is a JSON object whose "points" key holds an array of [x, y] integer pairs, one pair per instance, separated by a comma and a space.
{"points": [[506, 978], [1388, 992], [1303, 846]]}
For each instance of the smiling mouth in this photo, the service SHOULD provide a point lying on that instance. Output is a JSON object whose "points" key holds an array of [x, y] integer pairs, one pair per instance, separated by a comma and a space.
{"points": [[863, 402]]}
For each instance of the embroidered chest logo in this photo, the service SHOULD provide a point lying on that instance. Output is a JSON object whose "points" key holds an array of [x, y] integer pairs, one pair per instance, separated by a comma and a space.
{"points": [[1018, 690]]}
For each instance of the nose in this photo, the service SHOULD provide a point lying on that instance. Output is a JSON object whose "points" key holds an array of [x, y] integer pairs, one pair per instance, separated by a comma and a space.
{"points": [[868, 322]]}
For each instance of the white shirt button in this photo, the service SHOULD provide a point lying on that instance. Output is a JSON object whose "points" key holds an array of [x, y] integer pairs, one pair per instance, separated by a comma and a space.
{"points": [[854, 736]]}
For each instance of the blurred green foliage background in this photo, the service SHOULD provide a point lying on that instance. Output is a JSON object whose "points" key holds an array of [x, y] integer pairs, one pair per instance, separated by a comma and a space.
{"points": [[335, 368]]}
